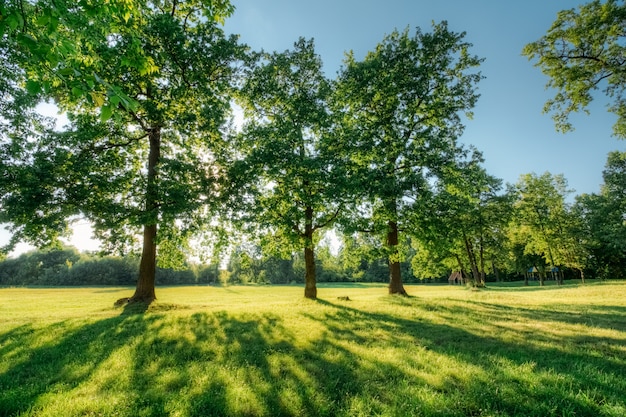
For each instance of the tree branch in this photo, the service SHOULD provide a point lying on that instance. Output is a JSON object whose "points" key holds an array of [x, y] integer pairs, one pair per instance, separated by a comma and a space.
{"points": [[329, 221]]}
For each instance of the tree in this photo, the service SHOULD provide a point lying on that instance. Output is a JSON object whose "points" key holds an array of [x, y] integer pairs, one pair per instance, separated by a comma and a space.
{"points": [[581, 53], [603, 230], [296, 184], [147, 159], [402, 107], [542, 214], [462, 224]]}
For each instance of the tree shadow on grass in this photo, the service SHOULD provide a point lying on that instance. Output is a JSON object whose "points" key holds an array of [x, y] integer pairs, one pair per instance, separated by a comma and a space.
{"points": [[160, 364], [58, 357], [510, 378], [609, 317], [358, 362], [249, 365]]}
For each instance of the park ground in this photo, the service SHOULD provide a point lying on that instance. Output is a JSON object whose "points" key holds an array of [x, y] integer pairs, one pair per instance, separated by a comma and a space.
{"points": [[506, 350]]}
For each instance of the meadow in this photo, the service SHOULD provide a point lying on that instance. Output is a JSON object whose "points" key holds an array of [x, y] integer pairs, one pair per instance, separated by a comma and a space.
{"points": [[506, 350]]}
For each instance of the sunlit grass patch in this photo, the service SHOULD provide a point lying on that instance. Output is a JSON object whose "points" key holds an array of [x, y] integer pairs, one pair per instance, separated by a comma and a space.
{"points": [[267, 351]]}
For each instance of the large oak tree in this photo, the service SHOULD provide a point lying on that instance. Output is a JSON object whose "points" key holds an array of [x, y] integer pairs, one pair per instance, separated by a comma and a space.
{"points": [[146, 85], [294, 183]]}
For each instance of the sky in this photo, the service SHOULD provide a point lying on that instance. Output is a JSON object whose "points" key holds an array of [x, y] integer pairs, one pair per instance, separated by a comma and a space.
{"points": [[508, 127]]}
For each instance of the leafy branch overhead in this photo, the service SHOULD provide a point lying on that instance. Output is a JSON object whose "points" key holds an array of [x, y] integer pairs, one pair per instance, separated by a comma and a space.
{"points": [[583, 52], [69, 44]]}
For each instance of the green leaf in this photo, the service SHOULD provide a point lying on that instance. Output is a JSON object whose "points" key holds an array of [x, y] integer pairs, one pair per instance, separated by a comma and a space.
{"points": [[65, 71], [43, 20], [77, 92], [15, 20], [98, 99], [105, 113], [114, 100], [33, 87]]}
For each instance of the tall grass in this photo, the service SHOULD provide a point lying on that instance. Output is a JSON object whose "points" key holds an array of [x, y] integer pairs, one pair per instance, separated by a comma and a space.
{"points": [[267, 351]]}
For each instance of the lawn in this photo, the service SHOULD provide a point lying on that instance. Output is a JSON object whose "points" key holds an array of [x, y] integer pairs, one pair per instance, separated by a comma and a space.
{"points": [[267, 351]]}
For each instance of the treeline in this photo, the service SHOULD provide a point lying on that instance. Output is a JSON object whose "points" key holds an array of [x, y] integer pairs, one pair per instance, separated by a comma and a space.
{"points": [[528, 231]]}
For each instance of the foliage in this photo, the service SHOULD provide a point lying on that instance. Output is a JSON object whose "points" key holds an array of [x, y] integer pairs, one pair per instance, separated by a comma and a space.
{"points": [[540, 209], [67, 267], [581, 53], [147, 86], [60, 43], [546, 226], [402, 107], [603, 215], [462, 226]]}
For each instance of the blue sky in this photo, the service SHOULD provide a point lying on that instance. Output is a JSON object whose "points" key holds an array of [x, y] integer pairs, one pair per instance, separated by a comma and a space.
{"points": [[508, 126]]}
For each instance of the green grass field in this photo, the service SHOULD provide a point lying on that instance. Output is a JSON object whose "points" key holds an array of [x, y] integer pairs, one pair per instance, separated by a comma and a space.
{"points": [[267, 351]]}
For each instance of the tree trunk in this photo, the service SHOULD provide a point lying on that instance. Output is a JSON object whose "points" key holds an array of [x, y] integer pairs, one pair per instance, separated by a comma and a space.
{"points": [[395, 274], [310, 288], [147, 267], [496, 271], [481, 255], [558, 279], [472, 260]]}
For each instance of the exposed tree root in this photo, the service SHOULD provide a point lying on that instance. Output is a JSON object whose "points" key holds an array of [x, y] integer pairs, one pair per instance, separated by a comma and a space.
{"points": [[126, 301]]}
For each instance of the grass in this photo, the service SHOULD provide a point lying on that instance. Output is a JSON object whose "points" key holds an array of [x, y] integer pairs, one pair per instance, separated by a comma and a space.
{"points": [[267, 351]]}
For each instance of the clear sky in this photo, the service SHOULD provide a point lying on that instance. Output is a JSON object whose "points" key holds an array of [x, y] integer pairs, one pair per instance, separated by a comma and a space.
{"points": [[508, 126]]}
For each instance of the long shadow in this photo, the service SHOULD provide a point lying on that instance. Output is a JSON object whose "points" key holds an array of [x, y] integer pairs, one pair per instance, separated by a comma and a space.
{"points": [[254, 364], [601, 316], [533, 286], [200, 365], [57, 363], [351, 285], [551, 365]]}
